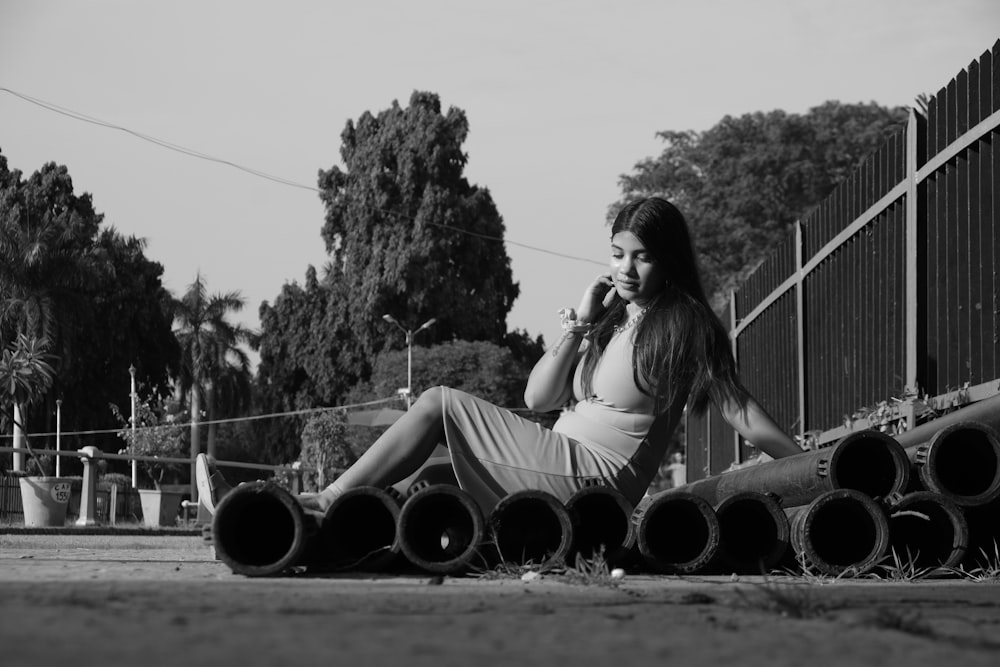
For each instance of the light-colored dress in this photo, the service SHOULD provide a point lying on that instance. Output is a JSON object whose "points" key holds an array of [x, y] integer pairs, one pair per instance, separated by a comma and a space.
{"points": [[602, 439]]}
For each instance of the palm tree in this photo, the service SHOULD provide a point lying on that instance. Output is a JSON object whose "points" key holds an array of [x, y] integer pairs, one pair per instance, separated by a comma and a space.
{"points": [[213, 365], [25, 375]]}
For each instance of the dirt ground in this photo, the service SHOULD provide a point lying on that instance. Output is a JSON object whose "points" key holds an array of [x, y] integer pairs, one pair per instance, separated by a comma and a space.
{"points": [[149, 600]]}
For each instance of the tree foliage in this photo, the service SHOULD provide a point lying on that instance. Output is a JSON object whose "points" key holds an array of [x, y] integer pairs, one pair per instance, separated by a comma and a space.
{"points": [[325, 450], [480, 368], [89, 290], [404, 230], [746, 180]]}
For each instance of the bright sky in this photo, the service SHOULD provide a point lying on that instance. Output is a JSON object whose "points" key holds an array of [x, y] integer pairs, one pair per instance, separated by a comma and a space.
{"points": [[562, 98]]}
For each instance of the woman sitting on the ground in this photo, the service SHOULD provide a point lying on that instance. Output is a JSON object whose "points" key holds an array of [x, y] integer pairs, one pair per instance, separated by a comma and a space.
{"points": [[643, 343]]}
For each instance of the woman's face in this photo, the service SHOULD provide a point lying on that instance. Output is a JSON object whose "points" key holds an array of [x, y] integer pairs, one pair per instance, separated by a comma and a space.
{"points": [[638, 276]]}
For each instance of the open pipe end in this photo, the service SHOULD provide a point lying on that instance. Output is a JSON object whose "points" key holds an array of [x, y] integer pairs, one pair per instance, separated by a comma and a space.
{"points": [[359, 531], [927, 530], [531, 527], [840, 532], [677, 533], [963, 464], [870, 462], [259, 529], [601, 519], [754, 532], [440, 528]]}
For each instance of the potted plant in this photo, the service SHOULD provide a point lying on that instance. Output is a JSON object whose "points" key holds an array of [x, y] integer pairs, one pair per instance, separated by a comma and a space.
{"points": [[156, 434], [25, 376]]}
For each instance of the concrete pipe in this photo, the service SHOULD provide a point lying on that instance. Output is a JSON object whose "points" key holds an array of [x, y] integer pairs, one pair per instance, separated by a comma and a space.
{"points": [[984, 535], [986, 411], [530, 527], [842, 531], [260, 530], [867, 461], [961, 462], [676, 532], [440, 529], [754, 533], [927, 530], [359, 531], [602, 520]]}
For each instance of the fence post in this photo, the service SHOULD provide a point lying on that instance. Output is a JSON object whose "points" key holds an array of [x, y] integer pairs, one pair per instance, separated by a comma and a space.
{"points": [[800, 326], [912, 265], [88, 495]]}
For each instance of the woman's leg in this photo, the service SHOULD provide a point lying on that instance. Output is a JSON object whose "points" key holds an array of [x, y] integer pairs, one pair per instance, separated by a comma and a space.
{"points": [[403, 448]]}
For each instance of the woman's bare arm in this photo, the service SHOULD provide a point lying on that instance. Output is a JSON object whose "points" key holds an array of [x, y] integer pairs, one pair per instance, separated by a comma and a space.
{"points": [[549, 385], [754, 424]]}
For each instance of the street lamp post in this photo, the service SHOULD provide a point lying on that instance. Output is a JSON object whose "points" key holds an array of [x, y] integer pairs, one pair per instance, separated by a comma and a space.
{"points": [[409, 333], [135, 468]]}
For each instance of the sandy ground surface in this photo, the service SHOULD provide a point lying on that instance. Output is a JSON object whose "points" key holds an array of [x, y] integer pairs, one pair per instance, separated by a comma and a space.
{"points": [[153, 600]]}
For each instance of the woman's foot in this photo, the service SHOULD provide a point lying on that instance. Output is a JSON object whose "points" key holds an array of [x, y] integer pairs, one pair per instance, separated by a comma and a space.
{"points": [[319, 502], [212, 486]]}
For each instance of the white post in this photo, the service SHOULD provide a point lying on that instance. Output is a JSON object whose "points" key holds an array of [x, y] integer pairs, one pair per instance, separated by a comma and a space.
{"points": [[409, 333], [18, 440], [409, 369], [58, 437], [135, 466]]}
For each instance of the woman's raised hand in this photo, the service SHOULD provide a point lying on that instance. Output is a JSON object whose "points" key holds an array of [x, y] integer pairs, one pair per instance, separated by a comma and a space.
{"points": [[596, 299]]}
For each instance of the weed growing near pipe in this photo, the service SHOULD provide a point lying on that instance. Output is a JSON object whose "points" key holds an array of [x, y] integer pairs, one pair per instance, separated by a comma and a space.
{"points": [[901, 570], [987, 569], [808, 572]]}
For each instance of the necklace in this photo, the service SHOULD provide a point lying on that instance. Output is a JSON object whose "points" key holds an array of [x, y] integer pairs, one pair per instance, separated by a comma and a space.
{"points": [[618, 328]]}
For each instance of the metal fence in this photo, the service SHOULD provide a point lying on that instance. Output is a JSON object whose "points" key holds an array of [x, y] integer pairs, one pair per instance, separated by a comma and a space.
{"points": [[887, 291]]}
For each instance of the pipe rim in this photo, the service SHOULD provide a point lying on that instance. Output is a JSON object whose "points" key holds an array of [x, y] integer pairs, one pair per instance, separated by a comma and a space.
{"points": [[243, 494], [466, 502], [804, 520], [859, 440], [782, 530], [702, 509], [931, 477], [960, 528], [558, 510], [385, 501], [607, 494]]}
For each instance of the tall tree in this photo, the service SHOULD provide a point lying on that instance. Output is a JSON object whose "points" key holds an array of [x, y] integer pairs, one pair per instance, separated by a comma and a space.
{"points": [[131, 326], [210, 352], [87, 288], [405, 232], [49, 265], [745, 181]]}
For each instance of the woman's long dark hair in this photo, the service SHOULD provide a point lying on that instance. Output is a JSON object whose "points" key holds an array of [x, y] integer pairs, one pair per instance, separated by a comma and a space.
{"points": [[681, 347]]}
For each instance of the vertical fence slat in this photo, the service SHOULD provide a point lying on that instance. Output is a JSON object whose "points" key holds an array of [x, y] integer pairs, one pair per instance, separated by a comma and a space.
{"points": [[995, 228]]}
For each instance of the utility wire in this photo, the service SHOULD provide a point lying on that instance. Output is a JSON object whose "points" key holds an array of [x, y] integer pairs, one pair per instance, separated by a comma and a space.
{"points": [[76, 115], [273, 415]]}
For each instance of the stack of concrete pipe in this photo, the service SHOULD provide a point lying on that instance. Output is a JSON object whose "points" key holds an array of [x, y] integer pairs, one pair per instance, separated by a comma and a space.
{"points": [[931, 497], [928, 498], [259, 529]]}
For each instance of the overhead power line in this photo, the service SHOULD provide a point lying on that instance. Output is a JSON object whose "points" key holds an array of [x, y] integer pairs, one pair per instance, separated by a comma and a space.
{"points": [[76, 115]]}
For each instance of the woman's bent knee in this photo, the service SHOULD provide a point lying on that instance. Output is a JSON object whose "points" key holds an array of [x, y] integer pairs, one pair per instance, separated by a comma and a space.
{"points": [[431, 400]]}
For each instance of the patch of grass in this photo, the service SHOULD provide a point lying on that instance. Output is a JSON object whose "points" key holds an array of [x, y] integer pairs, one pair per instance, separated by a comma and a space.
{"points": [[591, 572], [813, 575], [899, 569], [987, 568]]}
